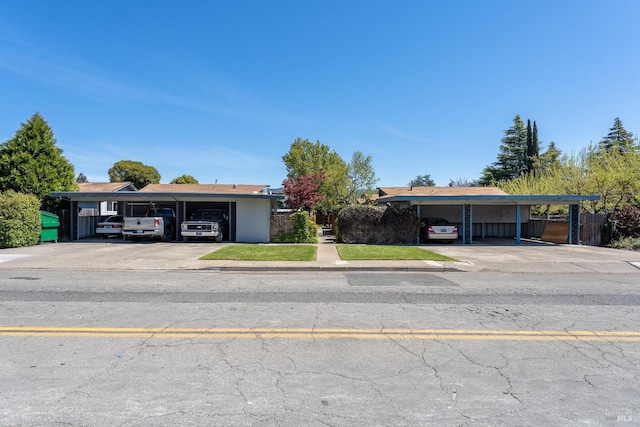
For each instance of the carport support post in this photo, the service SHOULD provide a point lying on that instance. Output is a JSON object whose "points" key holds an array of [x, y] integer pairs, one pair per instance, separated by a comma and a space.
{"points": [[470, 224], [464, 224], [518, 224], [467, 224], [419, 220], [574, 224], [71, 218], [184, 218]]}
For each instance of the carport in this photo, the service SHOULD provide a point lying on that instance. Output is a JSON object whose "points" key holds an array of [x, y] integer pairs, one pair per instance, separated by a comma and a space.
{"points": [[478, 209], [249, 206]]}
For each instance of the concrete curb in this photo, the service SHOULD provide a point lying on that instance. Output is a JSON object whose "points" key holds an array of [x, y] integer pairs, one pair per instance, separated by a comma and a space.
{"points": [[330, 268]]}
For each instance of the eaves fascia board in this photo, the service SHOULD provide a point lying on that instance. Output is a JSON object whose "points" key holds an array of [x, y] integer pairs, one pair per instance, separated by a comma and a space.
{"points": [[492, 199], [137, 196]]}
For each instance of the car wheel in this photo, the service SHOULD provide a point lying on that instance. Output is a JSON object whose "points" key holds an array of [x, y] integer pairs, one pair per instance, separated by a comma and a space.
{"points": [[168, 234], [219, 236]]}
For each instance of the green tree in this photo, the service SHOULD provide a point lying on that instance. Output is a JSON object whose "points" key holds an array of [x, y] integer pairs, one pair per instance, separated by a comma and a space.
{"points": [[81, 178], [615, 177], [533, 146], [512, 158], [31, 163], [422, 181], [548, 159], [184, 179], [361, 177], [137, 173], [306, 158], [20, 223], [463, 182], [617, 138]]}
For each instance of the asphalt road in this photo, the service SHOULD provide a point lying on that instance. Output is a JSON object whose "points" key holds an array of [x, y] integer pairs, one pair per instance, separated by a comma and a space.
{"points": [[196, 347]]}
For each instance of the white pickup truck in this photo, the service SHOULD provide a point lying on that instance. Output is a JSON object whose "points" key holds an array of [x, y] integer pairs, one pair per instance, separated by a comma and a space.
{"points": [[205, 224], [157, 223]]}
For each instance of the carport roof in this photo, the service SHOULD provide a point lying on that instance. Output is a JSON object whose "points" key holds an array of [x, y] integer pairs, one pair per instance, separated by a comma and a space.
{"points": [[473, 196], [169, 193]]}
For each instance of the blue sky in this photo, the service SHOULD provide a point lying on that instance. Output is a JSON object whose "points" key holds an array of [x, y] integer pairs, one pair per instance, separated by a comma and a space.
{"points": [[219, 90]]}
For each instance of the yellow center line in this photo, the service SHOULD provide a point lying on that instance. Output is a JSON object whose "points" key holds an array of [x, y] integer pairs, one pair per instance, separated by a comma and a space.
{"points": [[320, 333]]}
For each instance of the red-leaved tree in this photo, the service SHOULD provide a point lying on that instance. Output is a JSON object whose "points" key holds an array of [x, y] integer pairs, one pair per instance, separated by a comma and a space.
{"points": [[303, 191]]}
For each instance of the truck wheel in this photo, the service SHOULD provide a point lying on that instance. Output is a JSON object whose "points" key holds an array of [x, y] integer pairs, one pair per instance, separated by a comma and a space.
{"points": [[219, 236], [168, 234]]}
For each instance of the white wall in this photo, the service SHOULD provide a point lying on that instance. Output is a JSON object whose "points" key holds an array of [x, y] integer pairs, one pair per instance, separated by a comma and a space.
{"points": [[252, 220]]}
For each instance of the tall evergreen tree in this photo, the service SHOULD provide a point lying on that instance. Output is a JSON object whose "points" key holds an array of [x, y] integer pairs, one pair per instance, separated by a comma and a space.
{"points": [[529, 159], [533, 147], [618, 138], [31, 163], [512, 158], [549, 158]]}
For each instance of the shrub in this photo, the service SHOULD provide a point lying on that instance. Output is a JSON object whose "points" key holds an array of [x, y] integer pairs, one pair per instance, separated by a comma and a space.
{"points": [[630, 243], [371, 225], [622, 223], [306, 230], [20, 223], [628, 219]]}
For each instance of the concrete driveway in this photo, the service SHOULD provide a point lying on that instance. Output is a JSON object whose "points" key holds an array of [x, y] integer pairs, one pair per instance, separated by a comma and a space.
{"points": [[488, 255]]}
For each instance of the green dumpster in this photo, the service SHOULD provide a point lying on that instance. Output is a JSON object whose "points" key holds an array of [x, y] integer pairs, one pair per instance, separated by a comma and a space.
{"points": [[50, 225]]}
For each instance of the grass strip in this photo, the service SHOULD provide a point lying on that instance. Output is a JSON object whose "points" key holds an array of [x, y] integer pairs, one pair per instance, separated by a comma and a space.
{"points": [[387, 252], [263, 252]]}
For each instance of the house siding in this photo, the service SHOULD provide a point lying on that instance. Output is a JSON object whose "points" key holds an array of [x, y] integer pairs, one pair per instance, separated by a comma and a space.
{"points": [[252, 224]]}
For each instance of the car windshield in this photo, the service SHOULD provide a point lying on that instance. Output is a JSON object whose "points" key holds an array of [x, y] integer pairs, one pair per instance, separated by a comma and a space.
{"points": [[438, 221], [113, 219], [211, 215]]}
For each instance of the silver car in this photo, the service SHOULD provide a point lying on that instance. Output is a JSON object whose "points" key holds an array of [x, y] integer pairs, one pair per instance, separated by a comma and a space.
{"points": [[439, 229], [112, 226]]}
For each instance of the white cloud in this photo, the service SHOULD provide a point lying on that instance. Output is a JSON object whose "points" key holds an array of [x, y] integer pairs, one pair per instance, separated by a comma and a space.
{"points": [[398, 133]]}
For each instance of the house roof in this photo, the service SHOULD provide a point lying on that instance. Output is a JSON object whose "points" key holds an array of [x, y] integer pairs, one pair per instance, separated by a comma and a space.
{"points": [[204, 188], [105, 187], [440, 191], [473, 196], [170, 193]]}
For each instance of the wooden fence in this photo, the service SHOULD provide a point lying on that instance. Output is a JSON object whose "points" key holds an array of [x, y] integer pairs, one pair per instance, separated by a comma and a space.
{"points": [[590, 228]]}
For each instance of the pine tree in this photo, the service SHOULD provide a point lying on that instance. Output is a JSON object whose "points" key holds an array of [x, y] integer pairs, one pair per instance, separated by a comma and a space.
{"points": [[619, 138], [512, 158], [533, 146], [31, 163], [548, 159]]}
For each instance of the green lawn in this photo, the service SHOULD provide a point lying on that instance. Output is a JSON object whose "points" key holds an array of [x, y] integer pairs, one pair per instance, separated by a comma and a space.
{"points": [[253, 252], [384, 252], [301, 252]]}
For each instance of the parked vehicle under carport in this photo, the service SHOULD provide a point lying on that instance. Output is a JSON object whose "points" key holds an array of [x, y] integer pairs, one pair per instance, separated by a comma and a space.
{"points": [[438, 229], [111, 226]]}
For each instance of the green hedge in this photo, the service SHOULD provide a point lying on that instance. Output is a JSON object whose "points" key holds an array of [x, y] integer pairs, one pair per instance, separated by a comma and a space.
{"points": [[306, 230], [376, 225], [20, 223]]}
